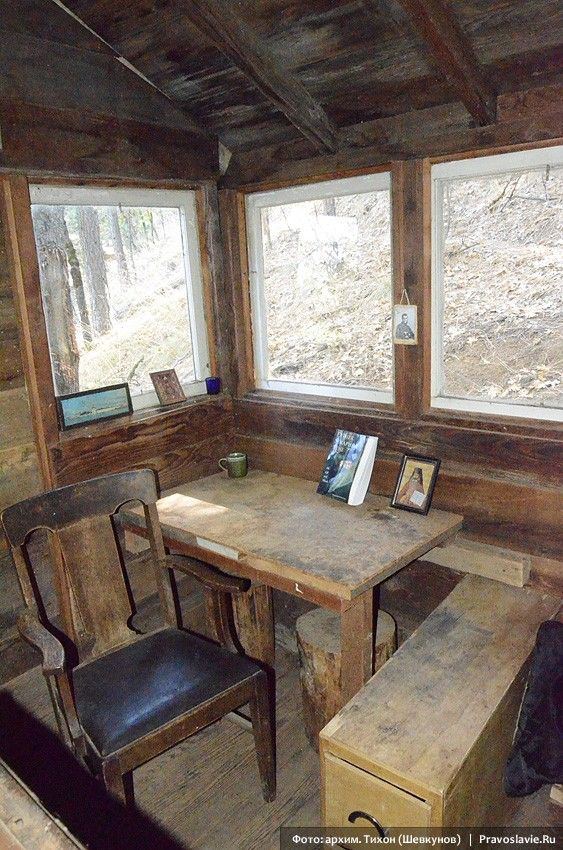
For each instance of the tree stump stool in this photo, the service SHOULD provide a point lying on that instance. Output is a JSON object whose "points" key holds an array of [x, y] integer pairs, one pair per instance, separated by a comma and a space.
{"points": [[318, 640]]}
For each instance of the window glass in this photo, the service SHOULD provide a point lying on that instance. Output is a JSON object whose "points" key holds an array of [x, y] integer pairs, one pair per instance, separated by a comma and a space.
{"points": [[325, 286], [116, 288], [500, 267]]}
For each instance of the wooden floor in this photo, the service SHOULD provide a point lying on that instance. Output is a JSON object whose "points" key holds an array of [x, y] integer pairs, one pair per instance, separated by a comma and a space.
{"points": [[205, 793]]}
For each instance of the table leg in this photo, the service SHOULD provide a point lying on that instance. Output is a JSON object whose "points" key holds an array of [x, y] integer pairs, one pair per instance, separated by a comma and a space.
{"points": [[254, 613], [356, 644]]}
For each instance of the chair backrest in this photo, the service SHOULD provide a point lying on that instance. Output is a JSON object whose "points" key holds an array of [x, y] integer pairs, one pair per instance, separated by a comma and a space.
{"points": [[93, 598]]}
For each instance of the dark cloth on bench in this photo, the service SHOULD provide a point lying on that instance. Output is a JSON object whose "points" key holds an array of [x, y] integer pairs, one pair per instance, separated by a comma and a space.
{"points": [[537, 751]]}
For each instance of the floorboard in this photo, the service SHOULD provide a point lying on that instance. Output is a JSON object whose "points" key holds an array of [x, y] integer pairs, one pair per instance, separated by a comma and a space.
{"points": [[205, 794]]}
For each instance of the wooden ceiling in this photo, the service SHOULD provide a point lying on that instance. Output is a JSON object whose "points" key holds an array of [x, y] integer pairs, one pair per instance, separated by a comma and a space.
{"points": [[296, 79], [257, 72]]}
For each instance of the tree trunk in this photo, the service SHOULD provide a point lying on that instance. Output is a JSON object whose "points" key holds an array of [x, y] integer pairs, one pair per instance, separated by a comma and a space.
{"points": [[329, 206], [77, 286], [266, 227], [124, 277], [95, 269], [130, 240], [50, 237]]}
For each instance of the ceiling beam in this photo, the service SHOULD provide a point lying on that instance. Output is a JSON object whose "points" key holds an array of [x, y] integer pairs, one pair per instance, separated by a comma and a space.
{"points": [[531, 117], [216, 20], [436, 25]]}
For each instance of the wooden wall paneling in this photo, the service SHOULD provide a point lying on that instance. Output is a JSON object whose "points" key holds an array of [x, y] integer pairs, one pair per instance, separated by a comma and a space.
{"points": [[235, 259], [87, 98], [34, 345], [20, 475], [11, 368], [520, 454], [412, 228], [523, 517], [402, 400], [219, 307], [72, 143], [174, 443], [529, 118]]}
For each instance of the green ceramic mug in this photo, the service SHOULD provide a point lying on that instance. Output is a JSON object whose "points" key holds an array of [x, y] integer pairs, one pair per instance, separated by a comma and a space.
{"points": [[235, 464]]}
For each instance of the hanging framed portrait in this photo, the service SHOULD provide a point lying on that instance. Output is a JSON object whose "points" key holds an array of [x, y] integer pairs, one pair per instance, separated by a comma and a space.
{"points": [[405, 324]]}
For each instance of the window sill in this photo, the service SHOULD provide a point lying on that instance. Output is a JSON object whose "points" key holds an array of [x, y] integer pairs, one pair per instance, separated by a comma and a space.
{"points": [[318, 402], [508, 425], [146, 415], [496, 410]]}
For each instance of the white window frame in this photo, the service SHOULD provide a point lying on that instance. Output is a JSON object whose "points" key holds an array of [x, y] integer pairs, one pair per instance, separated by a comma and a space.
{"points": [[537, 158], [255, 202], [185, 201]]}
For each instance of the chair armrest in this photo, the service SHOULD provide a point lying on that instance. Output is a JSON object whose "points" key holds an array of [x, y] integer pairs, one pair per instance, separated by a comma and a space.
{"points": [[50, 647], [207, 575]]}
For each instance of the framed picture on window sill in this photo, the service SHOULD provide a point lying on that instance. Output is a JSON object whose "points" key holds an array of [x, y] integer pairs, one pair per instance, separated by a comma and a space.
{"points": [[167, 387], [88, 406]]}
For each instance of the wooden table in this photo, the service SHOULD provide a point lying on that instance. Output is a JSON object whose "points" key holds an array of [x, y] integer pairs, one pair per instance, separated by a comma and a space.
{"points": [[277, 531]]}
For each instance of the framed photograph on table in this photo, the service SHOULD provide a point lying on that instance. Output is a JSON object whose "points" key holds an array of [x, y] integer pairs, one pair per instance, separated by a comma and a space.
{"points": [[415, 484], [168, 387], [90, 406]]}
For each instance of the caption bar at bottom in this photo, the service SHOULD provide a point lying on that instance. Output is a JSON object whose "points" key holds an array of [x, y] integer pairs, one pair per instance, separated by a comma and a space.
{"points": [[487, 838]]}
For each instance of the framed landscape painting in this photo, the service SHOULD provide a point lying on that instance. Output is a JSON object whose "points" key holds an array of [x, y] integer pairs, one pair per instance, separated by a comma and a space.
{"points": [[89, 406]]}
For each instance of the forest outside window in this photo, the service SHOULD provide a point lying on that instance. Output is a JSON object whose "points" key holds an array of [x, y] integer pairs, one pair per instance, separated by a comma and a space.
{"points": [[122, 287], [321, 288], [497, 327]]}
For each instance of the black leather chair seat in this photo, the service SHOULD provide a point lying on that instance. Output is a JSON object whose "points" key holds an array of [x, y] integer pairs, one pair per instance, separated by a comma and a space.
{"points": [[122, 696]]}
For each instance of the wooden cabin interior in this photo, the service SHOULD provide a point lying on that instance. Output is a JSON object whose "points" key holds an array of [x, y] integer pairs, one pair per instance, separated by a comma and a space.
{"points": [[322, 215]]}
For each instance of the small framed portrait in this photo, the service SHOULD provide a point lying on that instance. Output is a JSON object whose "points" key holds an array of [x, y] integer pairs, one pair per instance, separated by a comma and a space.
{"points": [[405, 324], [415, 484], [168, 387], [90, 406]]}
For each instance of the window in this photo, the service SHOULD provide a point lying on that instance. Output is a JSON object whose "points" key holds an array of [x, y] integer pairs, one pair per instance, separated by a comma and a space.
{"points": [[321, 288], [121, 285], [496, 290]]}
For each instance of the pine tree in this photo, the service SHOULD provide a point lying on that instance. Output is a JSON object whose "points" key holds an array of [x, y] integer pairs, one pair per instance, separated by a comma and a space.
{"points": [[51, 237], [94, 269]]}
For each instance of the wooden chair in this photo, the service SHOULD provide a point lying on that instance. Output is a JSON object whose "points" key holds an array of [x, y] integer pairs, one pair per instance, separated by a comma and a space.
{"points": [[120, 698]]}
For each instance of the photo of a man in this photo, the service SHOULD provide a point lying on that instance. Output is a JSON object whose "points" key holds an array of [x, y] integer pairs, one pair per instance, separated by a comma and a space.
{"points": [[405, 324]]}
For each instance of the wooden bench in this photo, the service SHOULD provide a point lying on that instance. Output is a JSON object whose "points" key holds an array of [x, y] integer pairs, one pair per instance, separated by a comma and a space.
{"points": [[425, 742]]}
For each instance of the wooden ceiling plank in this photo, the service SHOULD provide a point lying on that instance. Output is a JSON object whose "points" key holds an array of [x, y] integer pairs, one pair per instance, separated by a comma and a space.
{"points": [[435, 24], [216, 20], [533, 116]]}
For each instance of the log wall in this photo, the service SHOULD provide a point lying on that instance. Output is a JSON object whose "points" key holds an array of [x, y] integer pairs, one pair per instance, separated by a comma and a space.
{"points": [[502, 473], [179, 443], [20, 475]]}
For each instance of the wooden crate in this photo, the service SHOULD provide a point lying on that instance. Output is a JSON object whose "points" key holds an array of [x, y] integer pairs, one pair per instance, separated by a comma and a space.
{"points": [[425, 742]]}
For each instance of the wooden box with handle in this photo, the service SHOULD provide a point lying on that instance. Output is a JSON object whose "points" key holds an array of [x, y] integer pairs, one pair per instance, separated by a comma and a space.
{"points": [[425, 742]]}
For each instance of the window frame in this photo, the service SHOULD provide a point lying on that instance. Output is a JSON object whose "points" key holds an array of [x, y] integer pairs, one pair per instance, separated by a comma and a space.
{"points": [[186, 201], [442, 172], [254, 203]]}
